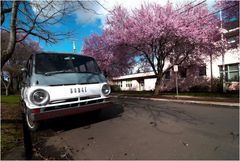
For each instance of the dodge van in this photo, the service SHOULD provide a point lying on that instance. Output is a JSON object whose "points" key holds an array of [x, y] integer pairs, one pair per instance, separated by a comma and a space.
{"points": [[61, 84]]}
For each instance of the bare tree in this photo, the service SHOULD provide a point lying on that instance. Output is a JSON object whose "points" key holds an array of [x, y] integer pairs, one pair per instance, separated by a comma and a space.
{"points": [[36, 18], [6, 81], [11, 72]]}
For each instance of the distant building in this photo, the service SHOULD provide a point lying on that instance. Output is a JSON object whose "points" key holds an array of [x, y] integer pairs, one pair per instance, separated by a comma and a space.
{"points": [[191, 76], [188, 78], [197, 76]]}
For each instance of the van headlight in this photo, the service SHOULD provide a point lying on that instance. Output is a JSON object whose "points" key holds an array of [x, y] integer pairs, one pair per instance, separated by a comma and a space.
{"points": [[106, 89], [39, 97]]}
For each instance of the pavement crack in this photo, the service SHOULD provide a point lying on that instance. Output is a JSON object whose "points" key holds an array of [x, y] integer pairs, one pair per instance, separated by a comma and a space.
{"points": [[91, 138], [217, 147], [154, 124]]}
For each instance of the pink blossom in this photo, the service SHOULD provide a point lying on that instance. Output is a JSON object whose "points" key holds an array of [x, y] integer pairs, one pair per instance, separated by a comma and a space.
{"points": [[159, 33]]}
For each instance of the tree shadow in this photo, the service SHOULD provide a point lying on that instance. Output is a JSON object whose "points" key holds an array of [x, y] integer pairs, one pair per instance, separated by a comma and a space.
{"points": [[160, 112], [34, 141]]}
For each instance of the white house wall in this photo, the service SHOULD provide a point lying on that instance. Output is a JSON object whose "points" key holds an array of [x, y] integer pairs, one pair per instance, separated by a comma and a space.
{"points": [[134, 87], [230, 57], [149, 84]]}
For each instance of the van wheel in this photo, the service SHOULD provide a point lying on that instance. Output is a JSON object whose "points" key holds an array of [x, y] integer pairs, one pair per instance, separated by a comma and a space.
{"points": [[32, 125]]}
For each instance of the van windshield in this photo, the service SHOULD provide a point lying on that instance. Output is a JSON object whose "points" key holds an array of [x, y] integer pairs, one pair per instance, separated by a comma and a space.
{"points": [[64, 63]]}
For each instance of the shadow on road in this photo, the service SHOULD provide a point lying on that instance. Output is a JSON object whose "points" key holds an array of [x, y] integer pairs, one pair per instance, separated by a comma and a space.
{"points": [[36, 148], [81, 120]]}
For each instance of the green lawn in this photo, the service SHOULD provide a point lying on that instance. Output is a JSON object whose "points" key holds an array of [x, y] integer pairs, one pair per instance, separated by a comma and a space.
{"points": [[11, 136], [13, 99], [11, 126]]}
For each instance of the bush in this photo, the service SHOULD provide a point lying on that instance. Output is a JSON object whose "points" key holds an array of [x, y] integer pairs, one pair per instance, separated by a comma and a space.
{"points": [[115, 88], [199, 88], [217, 85]]}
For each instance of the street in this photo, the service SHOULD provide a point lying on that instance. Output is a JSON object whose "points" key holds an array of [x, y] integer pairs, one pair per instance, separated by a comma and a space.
{"points": [[142, 129]]}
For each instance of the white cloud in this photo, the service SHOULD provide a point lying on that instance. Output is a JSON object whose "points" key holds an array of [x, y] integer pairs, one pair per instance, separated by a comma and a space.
{"points": [[94, 10], [90, 12], [101, 7], [129, 4], [46, 8]]}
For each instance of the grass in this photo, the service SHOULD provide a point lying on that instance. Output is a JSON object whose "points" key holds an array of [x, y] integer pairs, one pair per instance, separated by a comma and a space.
{"points": [[13, 99], [11, 136], [11, 128]]}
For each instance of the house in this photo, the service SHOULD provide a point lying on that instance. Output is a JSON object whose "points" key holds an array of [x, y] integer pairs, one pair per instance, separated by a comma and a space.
{"points": [[187, 77], [191, 77]]}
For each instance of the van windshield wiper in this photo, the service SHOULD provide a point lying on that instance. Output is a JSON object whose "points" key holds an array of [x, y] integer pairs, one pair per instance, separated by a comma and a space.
{"points": [[67, 71], [57, 72]]}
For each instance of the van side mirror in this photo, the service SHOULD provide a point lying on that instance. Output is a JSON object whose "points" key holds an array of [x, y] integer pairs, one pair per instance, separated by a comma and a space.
{"points": [[24, 70]]}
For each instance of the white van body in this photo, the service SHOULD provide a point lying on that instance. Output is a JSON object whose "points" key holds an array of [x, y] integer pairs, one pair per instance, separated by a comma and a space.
{"points": [[57, 85]]}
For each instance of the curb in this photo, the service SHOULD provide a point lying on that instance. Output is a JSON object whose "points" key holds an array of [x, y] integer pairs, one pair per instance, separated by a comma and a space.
{"points": [[226, 104]]}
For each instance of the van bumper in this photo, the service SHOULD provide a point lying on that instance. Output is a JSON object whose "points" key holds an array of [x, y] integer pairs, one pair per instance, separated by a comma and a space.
{"points": [[70, 111]]}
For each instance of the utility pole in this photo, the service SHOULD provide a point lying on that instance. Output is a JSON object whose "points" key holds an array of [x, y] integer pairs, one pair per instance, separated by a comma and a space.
{"points": [[211, 72], [175, 69], [74, 46], [73, 42]]}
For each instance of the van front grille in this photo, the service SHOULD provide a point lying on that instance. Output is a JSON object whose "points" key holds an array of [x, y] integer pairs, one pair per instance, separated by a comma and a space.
{"points": [[72, 105], [89, 97], [63, 101]]}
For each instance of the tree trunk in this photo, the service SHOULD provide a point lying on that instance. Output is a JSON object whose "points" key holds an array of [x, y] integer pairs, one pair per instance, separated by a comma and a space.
{"points": [[158, 85], [6, 85], [6, 91], [6, 54]]}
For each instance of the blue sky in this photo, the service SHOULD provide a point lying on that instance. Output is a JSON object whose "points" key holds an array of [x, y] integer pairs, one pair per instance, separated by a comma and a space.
{"points": [[81, 31], [85, 23]]}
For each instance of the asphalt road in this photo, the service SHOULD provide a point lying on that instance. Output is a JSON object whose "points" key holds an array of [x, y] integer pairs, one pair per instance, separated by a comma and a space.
{"points": [[141, 129]]}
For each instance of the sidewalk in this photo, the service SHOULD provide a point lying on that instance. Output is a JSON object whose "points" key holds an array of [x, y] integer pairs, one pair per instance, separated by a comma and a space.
{"points": [[217, 101]]}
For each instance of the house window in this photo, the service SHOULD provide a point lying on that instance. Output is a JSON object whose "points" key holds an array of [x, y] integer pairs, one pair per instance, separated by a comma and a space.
{"points": [[231, 72], [183, 72], [202, 71], [119, 83], [129, 83]]}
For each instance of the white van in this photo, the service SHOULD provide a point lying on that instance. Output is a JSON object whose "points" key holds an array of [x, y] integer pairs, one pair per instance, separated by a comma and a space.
{"points": [[60, 84]]}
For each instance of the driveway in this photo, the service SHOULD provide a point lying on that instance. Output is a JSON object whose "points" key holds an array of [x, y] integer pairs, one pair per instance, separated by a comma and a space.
{"points": [[141, 129]]}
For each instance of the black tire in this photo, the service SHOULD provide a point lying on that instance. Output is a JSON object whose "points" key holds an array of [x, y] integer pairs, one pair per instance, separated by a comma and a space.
{"points": [[32, 125]]}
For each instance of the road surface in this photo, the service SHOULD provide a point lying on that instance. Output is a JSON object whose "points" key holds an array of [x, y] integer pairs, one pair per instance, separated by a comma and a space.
{"points": [[141, 129]]}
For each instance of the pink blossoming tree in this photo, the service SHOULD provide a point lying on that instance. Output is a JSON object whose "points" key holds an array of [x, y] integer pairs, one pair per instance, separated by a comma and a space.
{"points": [[113, 59], [164, 36]]}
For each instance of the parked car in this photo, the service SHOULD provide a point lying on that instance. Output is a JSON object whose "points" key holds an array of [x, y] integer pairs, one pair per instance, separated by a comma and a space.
{"points": [[61, 84]]}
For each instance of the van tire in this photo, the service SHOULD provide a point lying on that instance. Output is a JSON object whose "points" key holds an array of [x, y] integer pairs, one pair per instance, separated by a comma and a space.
{"points": [[32, 125]]}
